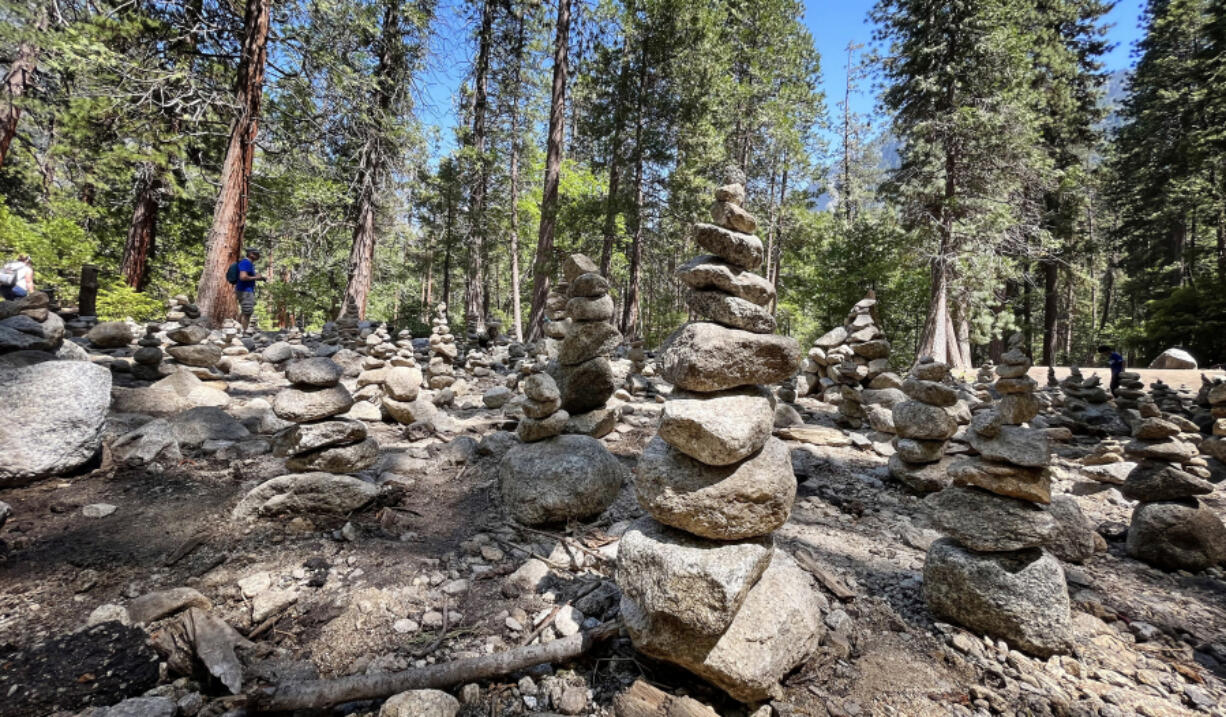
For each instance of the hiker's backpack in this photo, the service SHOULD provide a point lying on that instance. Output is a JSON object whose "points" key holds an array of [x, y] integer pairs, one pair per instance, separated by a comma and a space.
{"points": [[8, 273], [232, 273]]}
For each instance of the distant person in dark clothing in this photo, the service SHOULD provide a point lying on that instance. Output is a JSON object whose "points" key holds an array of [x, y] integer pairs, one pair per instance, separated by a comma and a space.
{"points": [[1116, 362]]}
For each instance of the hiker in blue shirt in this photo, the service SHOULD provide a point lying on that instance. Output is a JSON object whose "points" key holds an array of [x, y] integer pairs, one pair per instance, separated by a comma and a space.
{"points": [[1116, 362], [244, 288]]}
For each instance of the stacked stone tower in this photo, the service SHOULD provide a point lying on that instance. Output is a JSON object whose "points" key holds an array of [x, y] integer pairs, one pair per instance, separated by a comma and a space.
{"points": [[849, 356], [992, 574], [320, 442], [702, 583], [148, 358], [1170, 529], [582, 371], [440, 372], [923, 427]]}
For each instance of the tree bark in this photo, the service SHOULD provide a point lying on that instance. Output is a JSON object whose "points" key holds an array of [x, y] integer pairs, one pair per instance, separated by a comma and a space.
{"points": [[474, 287], [553, 166], [516, 318], [142, 231], [1051, 308], [630, 309], [611, 200], [16, 81], [215, 296], [371, 167]]}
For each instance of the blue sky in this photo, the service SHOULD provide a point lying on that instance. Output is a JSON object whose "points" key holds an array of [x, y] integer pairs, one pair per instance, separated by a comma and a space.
{"points": [[833, 24]]}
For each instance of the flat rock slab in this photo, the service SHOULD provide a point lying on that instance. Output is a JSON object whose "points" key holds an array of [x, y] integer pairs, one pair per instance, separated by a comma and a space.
{"points": [[711, 272], [718, 428], [304, 493], [815, 435], [985, 521]]}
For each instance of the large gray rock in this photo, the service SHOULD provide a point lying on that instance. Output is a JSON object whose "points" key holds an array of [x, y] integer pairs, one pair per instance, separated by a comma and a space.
{"points": [[931, 392], [1174, 359], [297, 493], [711, 272], [750, 498], [743, 250], [318, 372], [584, 308], [403, 382], [731, 311], [588, 340], [531, 430], [206, 423], [1173, 450], [57, 413], [153, 441], [677, 577], [920, 477], [718, 428], [1073, 541], [1177, 535], [777, 628], [703, 356], [1032, 484], [913, 419], [832, 338], [278, 352], [305, 437], [1019, 597], [914, 450], [301, 405], [200, 355], [409, 412], [558, 479], [349, 458], [20, 332], [1014, 444], [988, 522], [110, 335], [586, 386]]}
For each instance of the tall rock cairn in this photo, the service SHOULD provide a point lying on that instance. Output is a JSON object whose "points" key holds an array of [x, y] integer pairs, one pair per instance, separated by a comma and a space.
{"points": [[583, 372], [992, 574], [851, 357], [319, 442], [443, 351], [922, 427], [148, 358], [1170, 528], [702, 583]]}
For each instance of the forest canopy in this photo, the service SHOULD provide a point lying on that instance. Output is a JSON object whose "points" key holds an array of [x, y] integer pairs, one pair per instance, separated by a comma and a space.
{"points": [[1007, 181]]}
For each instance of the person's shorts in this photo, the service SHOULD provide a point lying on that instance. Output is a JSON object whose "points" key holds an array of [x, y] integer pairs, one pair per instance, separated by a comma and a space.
{"points": [[246, 302]]}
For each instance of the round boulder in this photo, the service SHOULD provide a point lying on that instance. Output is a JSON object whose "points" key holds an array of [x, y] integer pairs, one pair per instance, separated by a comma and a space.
{"points": [[1177, 535], [558, 479]]}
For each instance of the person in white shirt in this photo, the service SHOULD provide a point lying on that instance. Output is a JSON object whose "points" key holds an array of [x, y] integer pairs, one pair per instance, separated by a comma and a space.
{"points": [[21, 283]]}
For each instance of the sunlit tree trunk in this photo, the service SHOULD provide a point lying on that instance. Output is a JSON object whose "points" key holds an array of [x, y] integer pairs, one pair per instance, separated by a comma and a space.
{"points": [[474, 293], [143, 229], [17, 80], [215, 296]]}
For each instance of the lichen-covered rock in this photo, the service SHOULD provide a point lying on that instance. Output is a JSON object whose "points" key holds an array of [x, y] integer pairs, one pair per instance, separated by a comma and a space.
{"points": [[719, 428], [558, 479], [703, 356]]}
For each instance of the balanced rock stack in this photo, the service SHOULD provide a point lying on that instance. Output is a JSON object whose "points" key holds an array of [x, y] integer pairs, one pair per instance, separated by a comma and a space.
{"points": [[148, 358], [28, 323], [1170, 528], [702, 583], [992, 574], [1130, 395], [548, 477], [1168, 399], [583, 371], [860, 341], [983, 382], [190, 348], [1087, 407], [555, 312], [179, 308], [922, 427], [441, 372], [320, 442]]}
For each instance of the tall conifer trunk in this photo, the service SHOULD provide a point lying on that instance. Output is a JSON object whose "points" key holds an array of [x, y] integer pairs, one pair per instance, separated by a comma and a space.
{"points": [[215, 296], [474, 287], [143, 229], [17, 80]]}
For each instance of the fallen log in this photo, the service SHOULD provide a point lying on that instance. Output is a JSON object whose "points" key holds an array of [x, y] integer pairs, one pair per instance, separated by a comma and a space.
{"points": [[319, 694]]}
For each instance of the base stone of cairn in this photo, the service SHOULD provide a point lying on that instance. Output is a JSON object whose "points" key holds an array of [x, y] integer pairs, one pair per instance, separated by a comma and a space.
{"points": [[440, 373], [702, 584], [1170, 528], [991, 574], [923, 427], [550, 477]]}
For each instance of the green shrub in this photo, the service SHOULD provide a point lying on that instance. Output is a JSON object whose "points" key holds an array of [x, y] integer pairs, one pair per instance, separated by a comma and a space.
{"points": [[118, 301]]}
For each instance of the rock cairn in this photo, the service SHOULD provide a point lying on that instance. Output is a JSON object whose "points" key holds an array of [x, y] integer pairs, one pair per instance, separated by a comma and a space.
{"points": [[556, 322], [991, 574], [148, 358], [1087, 408], [583, 371], [860, 342], [702, 583], [28, 324], [1130, 396], [923, 427], [542, 407], [1168, 399], [319, 442], [440, 372], [983, 382], [1170, 528], [179, 308], [191, 347]]}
